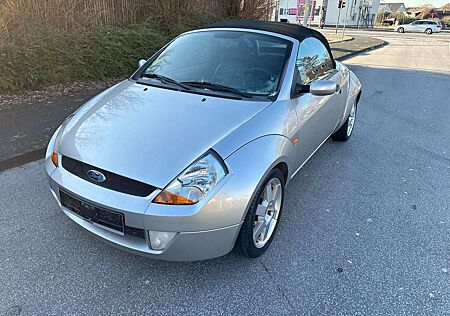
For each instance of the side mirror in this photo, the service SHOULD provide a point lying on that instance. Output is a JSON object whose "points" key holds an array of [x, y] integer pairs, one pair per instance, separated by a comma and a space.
{"points": [[299, 89], [323, 87], [141, 63]]}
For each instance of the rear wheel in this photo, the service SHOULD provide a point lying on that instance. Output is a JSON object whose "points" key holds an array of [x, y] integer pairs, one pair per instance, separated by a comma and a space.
{"points": [[344, 133], [428, 31], [263, 216], [401, 30]]}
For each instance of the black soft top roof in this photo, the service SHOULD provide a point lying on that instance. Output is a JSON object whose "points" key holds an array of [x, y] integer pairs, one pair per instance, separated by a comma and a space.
{"points": [[292, 30]]}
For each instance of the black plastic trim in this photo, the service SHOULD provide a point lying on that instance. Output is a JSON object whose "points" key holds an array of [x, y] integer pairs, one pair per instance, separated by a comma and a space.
{"points": [[113, 181]]}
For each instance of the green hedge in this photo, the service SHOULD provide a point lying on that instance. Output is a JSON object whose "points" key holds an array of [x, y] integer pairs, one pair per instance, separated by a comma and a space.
{"points": [[47, 56]]}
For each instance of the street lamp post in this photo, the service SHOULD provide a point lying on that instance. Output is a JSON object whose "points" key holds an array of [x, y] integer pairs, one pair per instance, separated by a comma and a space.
{"points": [[345, 23], [306, 12], [337, 23], [341, 4]]}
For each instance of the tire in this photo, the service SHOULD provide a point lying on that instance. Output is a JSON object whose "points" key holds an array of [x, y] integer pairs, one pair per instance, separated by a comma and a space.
{"points": [[245, 243], [401, 30], [428, 31], [345, 132]]}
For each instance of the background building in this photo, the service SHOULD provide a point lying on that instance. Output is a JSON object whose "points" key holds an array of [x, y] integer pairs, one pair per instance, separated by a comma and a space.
{"points": [[422, 12], [356, 12], [393, 7], [384, 8]]}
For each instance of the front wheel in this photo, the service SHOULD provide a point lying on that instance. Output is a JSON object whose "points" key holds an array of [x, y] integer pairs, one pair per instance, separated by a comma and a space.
{"points": [[401, 30], [428, 31], [344, 133], [263, 216]]}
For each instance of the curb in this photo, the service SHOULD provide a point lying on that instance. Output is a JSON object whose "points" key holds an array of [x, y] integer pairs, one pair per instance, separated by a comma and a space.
{"points": [[37, 154], [379, 30], [22, 159], [353, 28], [346, 40], [354, 53]]}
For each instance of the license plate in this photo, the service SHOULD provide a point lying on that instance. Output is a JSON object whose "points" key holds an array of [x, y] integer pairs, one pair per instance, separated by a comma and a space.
{"points": [[109, 219]]}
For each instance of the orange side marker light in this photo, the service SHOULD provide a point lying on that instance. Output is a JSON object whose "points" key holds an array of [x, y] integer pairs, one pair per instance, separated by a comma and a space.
{"points": [[55, 158]]}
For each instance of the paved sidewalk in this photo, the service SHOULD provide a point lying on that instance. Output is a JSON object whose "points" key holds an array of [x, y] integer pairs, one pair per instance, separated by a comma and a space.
{"points": [[336, 38], [358, 45], [353, 28], [25, 129]]}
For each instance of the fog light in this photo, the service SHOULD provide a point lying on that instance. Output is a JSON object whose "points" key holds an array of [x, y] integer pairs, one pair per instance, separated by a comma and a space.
{"points": [[160, 240]]}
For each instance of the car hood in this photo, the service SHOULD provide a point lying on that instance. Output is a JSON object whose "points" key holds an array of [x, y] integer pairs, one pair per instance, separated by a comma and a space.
{"points": [[151, 134]]}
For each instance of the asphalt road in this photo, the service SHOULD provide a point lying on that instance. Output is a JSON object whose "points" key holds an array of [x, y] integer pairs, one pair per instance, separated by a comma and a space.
{"points": [[365, 229]]}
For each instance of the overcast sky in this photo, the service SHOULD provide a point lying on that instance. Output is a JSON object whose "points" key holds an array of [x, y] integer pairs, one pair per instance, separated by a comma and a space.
{"points": [[416, 3]]}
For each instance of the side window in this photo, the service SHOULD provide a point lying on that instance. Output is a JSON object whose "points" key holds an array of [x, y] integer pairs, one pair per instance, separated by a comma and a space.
{"points": [[313, 60]]}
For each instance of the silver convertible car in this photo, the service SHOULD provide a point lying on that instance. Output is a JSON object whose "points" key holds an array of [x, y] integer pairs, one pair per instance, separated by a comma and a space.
{"points": [[189, 158]]}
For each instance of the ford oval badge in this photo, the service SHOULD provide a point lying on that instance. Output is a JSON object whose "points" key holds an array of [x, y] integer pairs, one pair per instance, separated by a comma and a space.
{"points": [[96, 176]]}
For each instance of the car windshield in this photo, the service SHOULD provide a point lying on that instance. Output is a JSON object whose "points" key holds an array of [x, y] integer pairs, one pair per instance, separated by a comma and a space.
{"points": [[245, 63]]}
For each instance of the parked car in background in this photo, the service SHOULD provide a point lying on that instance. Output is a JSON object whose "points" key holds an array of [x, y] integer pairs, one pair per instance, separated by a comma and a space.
{"points": [[189, 158], [420, 26]]}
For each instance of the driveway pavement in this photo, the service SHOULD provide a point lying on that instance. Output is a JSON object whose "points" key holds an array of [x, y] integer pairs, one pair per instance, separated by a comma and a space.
{"points": [[365, 229]]}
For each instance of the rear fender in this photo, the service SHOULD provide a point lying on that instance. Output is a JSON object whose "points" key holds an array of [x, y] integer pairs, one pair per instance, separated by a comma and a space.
{"points": [[354, 93]]}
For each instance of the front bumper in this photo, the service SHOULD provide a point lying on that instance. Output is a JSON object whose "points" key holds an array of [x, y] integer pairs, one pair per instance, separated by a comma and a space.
{"points": [[185, 246]]}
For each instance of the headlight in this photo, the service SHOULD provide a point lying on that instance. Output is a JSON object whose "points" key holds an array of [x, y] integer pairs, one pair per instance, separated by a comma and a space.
{"points": [[194, 183], [55, 155]]}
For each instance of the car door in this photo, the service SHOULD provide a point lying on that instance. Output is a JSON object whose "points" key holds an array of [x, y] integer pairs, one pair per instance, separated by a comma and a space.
{"points": [[317, 116], [420, 26], [431, 25], [413, 27]]}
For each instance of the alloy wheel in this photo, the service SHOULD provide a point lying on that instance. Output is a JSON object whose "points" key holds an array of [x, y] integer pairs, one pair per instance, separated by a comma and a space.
{"points": [[267, 212], [351, 120]]}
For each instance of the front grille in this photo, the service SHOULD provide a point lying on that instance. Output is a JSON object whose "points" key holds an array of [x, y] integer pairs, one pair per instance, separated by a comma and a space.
{"points": [[113, 181]]}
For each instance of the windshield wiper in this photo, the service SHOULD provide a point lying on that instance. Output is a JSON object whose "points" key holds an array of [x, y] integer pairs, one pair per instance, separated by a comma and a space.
{"points": [[217, 87], [165, 79]]}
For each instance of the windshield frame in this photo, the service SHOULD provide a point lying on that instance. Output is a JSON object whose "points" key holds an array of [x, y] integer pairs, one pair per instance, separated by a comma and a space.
{"points": [[137, 76]]}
